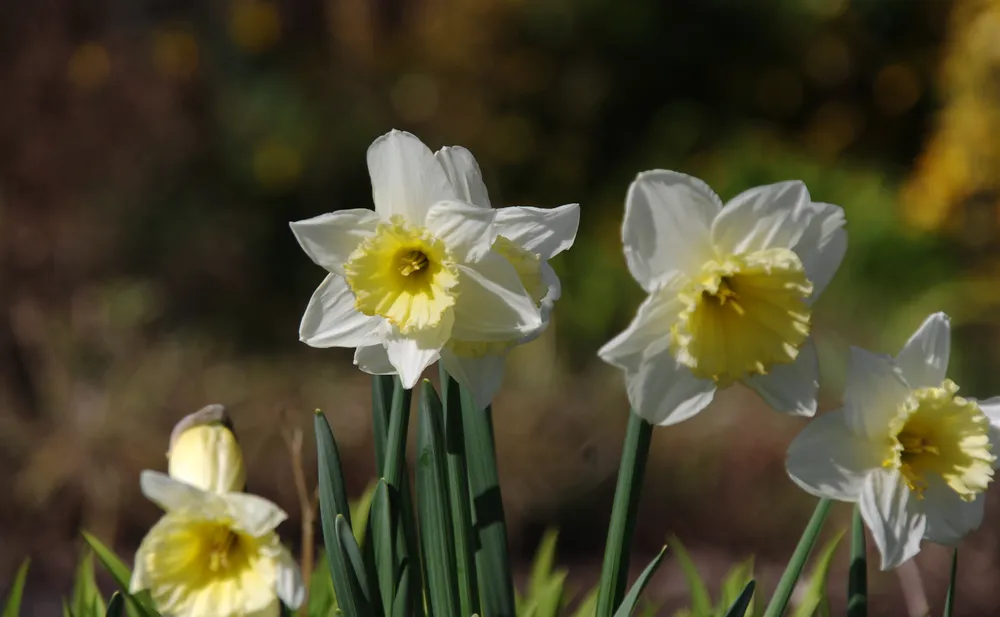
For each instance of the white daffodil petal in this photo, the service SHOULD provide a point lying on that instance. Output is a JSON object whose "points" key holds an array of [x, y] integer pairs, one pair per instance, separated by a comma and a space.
{"points": [[651, 324], [665, 392], [329, 239], [875, 388], [924, 358], [406, 177], [410, 357], [465, 229], [271, 610], [991, 407], [464, 174], [949, 517], [822, 245], [554, 287], [764, 217], [492, 304], [791, 388], [173, 495], [827, 460], [893, 515], [374, 360], [288, 583], [667, 226], [482, 375], [253, 515], [544, 231], [331, 319]]}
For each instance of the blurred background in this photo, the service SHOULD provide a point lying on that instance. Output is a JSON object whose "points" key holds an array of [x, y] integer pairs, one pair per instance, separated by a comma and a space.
{"points": [[152, 154]]}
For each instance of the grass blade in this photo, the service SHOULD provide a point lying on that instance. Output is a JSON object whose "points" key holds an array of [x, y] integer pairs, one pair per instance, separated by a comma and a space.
{"points": [[632, 597], [458, 496], [701, 601], [13, 606], [814, 600], [331, 476], [496, 588], [87, 598], [437, 542], [383, 387], [742, 603], [140, 602], [857, 578], [614, 571], [116, 607], [949, 600], [794, 569]]}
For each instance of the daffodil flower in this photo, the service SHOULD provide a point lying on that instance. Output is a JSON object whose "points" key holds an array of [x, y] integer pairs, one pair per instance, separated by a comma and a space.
{"points": [[730, 293], [204, 452], [526, 238], [396, 273], [214, 554], [916, 456]]}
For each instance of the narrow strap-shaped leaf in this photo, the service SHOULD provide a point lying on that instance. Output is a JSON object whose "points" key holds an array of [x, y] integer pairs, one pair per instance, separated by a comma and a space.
{"points": [[399, 422], [857, 577], [116, 607], [814, 600], [458, 496], [12, 607], [402, 603], [383, 539], [382, 392], [331, 476], [701, 601], [496, 587], [631, 599], [436, 532], [346, 578], [783, 593], [139, 602], [357, 565], [949, 600], [86, 596], [740, 605], [614, 570]]}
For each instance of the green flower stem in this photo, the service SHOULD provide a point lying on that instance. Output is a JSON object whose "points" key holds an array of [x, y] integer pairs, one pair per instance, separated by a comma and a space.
{"points": [[949, 600], [857, 580], [614, 571], [786, 585]]}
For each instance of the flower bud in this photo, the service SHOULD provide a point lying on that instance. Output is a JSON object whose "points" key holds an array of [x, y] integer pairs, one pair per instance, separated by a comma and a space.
{"points": [[204, 452]]}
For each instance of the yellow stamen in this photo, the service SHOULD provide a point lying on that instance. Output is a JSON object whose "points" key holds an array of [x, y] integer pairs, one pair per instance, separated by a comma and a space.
{"points": [[937, 433], [403, 274], [743, 314]]}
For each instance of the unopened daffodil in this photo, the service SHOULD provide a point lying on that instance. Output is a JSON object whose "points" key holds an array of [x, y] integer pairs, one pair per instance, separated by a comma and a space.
{"points": [[396, 274], [526, 238], [204, 452], [913, 454], [730, 293]]}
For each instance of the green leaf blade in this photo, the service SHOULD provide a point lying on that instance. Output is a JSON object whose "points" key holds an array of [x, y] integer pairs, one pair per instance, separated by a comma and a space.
{"points": [[857, 577], [793, 570], [949, 600], [12, 607], [116, 607], [701, 601], [631, 599], [742, 603]]}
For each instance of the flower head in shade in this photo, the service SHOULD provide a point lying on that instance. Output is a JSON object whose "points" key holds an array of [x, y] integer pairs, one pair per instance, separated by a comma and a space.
{"points": [[526, 238], [396, 273], [204, 452], [214, 554], [916, 456], [730, 290]]}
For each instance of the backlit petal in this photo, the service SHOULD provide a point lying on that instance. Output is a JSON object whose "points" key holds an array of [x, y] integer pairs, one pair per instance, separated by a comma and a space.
{"points": [[328, 239], [949, 517], [492, 304], [827, 460], [544, 231], [875, 388], [289, 580], [822, 245], [175, 495], [406, 178], [991, 407], [466, 230], [791, 388], [411, 356], [651, 324], [764, 217], [667, 226], [924, 358], [894, 517], [253, 514], [665, 392], [464, 174], [331, 319], [481, 375]]}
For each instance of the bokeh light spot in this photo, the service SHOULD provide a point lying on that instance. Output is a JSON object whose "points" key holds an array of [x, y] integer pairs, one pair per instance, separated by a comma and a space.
{"points": [[175, 52], [89, 67], [254, 25], [897, 89], [828, 61], [276, 164]]}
